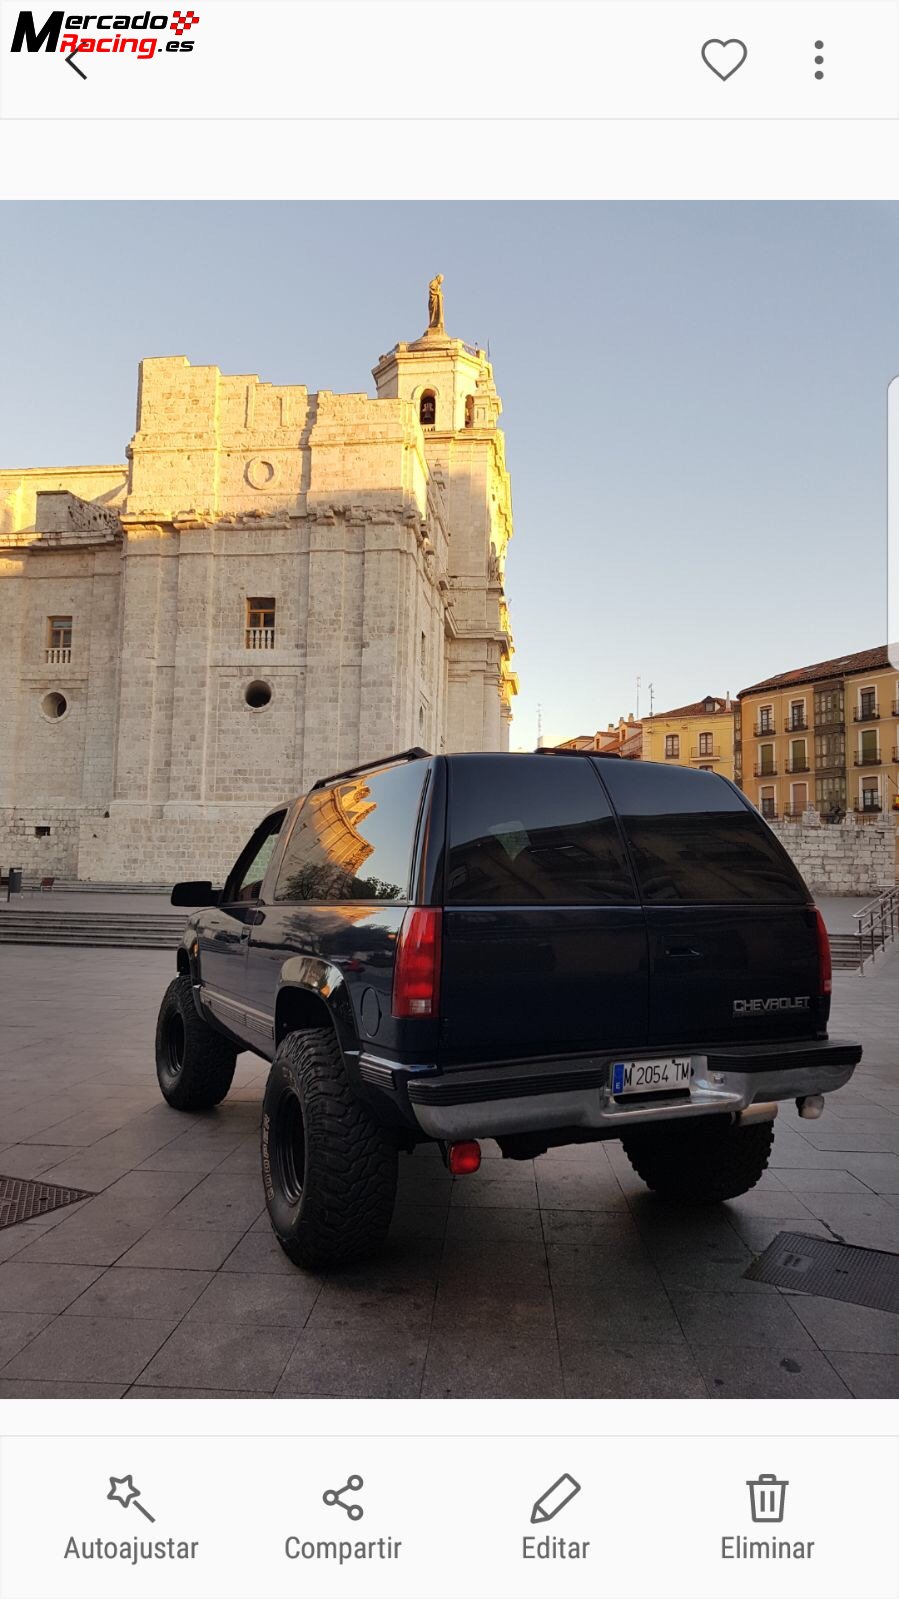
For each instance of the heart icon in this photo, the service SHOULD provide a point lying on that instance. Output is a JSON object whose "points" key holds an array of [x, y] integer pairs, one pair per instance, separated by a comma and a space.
{"points": [[724, 56]]}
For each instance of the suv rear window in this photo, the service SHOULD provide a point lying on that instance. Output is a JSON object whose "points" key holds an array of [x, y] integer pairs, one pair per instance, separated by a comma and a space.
{"points": [[355, 840], [526, 830], [694, 841]]}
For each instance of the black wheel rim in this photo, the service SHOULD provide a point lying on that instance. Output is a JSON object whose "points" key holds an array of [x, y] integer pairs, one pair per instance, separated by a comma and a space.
{"points": [[287, 1148], [175, 1039]]}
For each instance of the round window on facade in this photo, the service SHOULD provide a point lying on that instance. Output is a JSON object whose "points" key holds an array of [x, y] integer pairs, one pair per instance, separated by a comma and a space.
{"points": [[53, 706], [258, 694]]}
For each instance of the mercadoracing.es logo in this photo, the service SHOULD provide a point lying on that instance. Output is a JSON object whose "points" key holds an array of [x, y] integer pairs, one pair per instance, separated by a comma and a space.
{"points": [[105, 33]]}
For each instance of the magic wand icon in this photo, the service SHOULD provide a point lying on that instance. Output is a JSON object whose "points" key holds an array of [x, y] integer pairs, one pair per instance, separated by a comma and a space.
{"points": [[555, 1498], [123, 1491]]}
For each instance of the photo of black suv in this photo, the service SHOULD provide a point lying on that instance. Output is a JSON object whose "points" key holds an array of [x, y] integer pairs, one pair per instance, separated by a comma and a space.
{"points": [[540, 949]]}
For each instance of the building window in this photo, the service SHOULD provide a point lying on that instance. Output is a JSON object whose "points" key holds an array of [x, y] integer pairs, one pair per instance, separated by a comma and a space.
{"points": [[867, 705], [705, 744], [767, 802], [42, 832], [798, 755], [427, 409], [260, 634], [766, 760], [870, 794], [868, 748], [766, 719], [59, 640], [469, 410], [672, 746], [797, 716]]}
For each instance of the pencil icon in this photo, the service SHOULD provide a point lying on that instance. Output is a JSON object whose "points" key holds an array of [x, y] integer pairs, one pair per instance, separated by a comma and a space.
{"points": [[555, 1499]]}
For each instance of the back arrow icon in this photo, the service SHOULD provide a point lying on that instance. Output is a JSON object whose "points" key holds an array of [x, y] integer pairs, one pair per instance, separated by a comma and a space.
{"points": [[71, 61]]}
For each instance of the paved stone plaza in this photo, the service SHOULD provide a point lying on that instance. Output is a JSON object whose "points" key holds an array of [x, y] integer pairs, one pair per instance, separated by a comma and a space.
{"points": [[561, 1277]]}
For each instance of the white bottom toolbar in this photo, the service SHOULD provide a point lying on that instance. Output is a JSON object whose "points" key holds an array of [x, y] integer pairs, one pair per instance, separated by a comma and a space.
{"points": [[432, 1513]]}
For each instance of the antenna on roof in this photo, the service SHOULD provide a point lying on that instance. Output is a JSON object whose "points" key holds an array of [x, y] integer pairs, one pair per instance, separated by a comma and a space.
{"points": [[638, 696], [539, 727], [651, 699]]}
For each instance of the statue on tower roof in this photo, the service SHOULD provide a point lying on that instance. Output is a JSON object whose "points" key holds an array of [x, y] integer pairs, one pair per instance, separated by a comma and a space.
{"points": [[435, 305]]}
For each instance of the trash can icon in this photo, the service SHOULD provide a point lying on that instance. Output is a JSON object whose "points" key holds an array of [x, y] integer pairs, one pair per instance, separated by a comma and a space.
{"points": [[767, 1496]]}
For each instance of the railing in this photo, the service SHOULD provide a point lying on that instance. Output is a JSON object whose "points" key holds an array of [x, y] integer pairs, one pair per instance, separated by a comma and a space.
{"points": [[896, 707], [260, 638], [706, 755], [764, 771], [870, 713], [869, 810], [797, 766], [761, 728], [867, 760], [877, 924], [800, 725], [59, 655], [769, 813]]}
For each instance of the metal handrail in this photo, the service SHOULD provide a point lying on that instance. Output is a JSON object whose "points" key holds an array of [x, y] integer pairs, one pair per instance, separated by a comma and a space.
{"points": [[877, 923]]}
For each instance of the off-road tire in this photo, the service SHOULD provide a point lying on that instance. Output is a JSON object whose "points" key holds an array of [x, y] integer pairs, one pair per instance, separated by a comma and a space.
{"points": [[330, 1172], [194, 1064], [703, 1163]]}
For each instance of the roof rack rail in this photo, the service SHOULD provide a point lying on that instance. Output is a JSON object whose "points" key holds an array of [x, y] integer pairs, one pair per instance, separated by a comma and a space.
{"points": [[599, 755], [414, 754]]}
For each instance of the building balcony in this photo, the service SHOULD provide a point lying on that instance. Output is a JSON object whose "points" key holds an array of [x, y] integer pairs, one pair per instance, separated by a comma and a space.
{"points": [[764, 729], [769, 812], [867, 760], [713, 754], [764, 771], [869, 810], [871, 714], [59, 655], [797, 766], [797, 725], [896, 707], [260, 638]]}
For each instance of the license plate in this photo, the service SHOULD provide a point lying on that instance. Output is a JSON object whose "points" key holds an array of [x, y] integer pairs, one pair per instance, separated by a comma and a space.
{"points": [[664, 1076]]}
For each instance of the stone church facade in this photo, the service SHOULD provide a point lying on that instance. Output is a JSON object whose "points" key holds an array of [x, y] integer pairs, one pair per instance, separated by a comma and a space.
{"points": [[277, 585]]}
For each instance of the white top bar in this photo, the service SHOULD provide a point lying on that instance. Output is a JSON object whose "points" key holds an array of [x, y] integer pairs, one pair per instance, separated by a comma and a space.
{"points": [[454, 60]]}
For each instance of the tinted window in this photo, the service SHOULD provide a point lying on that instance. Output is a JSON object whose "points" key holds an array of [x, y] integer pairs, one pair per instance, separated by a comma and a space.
{"points": [[528, 829], [694, 841], [245, 882], [354, 840]]}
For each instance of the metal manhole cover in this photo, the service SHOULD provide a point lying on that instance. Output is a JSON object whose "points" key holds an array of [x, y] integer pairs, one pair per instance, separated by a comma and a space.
{"points": [[21, 1199], [835, 1271]]}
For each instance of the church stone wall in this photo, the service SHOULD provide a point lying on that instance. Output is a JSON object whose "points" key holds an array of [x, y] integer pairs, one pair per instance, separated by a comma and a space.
{"points": [[380, 542]]}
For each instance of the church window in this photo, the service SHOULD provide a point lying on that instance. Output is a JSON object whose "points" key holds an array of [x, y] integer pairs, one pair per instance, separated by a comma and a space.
{"points": [[257, 694], [59, 640], [672, 746], [54, 706], [427, 409], [260, 633], [469, 410]]}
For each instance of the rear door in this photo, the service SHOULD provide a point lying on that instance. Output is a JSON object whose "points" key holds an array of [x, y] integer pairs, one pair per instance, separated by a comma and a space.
{"points": [[544, 941], [733, 944]]}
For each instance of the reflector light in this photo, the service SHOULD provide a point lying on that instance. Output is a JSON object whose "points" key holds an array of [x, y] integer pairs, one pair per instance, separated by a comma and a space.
{"points": [[463, 1158], [416, 971]]}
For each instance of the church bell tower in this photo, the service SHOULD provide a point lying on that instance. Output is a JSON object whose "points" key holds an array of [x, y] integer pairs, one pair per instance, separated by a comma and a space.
{"points": [[449, 387]]}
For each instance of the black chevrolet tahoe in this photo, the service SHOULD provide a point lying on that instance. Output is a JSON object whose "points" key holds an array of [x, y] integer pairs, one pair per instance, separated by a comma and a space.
{"points": [[539, 949]]}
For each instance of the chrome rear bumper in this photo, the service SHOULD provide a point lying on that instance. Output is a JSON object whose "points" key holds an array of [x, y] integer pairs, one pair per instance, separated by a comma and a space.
{"points": [[492, 1103]]}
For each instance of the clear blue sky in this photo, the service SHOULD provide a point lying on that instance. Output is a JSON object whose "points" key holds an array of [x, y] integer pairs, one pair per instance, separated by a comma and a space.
{"points": [[694, 398]]}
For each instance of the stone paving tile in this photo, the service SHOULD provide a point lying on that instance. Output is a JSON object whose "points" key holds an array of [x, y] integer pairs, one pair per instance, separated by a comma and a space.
{"points": [[523, 1314], [334, 1363], [221, 1202], [853, 1329], [483, 1224], [878, 1172], [614, 1312], [18, 1328], [258, 1251], [36, 1388], [191, 1248], [138, 1392], [811, 1180], [492, 1367], [750, 1320], [259, 1298], [30, 1286], [868, 1376], [90, 1349], [142, 1292], [787, 1372], [640, 1371], [225, 1354], [84, 1243], [31, 1160]]}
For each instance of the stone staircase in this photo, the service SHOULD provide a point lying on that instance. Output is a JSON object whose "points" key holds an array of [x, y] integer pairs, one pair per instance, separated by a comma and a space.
{"points": [[110, 929]]}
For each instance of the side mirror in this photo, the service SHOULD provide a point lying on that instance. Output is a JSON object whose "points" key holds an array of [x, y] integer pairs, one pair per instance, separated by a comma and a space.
{"points": [[194, 894]]}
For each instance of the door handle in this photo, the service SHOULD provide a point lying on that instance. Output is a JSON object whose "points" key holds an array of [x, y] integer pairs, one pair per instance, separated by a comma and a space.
{"points": [[684, 952]]}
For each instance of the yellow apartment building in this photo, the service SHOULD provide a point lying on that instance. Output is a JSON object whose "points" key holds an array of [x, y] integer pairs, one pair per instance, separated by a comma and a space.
{"points": [[699, 735], [823, 735]]}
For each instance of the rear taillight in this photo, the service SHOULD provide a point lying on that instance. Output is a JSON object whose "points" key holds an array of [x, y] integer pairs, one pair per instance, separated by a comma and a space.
{"points": [[825, 971], [416, 972]]}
